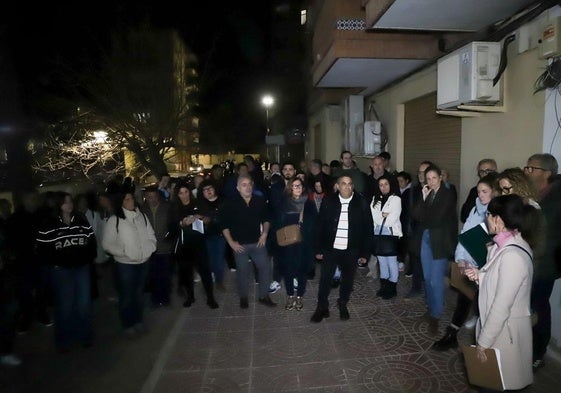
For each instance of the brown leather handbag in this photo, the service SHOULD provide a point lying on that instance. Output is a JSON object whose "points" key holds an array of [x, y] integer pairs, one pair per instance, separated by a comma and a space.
{"points": [[289, 234]]}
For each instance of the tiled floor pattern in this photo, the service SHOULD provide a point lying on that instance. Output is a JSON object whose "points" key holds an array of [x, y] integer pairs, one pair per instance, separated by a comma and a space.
{"points": [[384, 347]]}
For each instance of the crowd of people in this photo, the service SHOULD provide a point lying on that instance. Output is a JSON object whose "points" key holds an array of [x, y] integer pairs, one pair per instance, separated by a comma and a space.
{"points": [[198, 227]]}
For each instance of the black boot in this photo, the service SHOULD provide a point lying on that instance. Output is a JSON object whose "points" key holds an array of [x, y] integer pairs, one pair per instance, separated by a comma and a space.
{"points": [[383, 286], [319, 314], [190, 299], [390, 291], [449, 340], [211, 302]]}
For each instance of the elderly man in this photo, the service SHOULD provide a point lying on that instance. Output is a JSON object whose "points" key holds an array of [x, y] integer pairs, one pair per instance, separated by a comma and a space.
{"points": [[245, 226], [378, 169], [542, 170], [161, 267], [343, 231]]}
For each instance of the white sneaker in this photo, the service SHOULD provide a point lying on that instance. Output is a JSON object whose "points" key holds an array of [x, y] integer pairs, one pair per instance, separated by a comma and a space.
{"points": [[295, 283], [470, 323], [10, 360], [274, 287]]}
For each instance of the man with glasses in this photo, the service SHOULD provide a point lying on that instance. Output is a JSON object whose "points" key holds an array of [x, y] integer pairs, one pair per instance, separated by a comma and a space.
{"points": [[542, 170], [484, 167]]}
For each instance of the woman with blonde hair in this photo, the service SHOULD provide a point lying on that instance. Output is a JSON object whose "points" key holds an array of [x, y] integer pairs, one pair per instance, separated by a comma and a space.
{"points": [[513, 181]]}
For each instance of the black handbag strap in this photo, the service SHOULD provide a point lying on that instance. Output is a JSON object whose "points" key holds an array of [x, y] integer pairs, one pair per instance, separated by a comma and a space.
{"points": [[382, 227], [523, 249]]}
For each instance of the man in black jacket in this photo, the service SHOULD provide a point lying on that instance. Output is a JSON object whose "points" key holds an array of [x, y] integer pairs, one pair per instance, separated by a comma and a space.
{"points": [[542, 170], [342, 237]]}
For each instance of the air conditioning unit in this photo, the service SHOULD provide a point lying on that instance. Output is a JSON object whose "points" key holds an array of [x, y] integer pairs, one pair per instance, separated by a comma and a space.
{"points": [[354, 118], [465, 76], [372, 137]]}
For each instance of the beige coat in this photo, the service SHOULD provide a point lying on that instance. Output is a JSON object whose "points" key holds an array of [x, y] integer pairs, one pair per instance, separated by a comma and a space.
{"points": [[504, 306]]}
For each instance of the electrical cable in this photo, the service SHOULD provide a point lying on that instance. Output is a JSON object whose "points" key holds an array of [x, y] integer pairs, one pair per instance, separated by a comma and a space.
{"points": [[504, 58], [550, 78], [557, 92]]}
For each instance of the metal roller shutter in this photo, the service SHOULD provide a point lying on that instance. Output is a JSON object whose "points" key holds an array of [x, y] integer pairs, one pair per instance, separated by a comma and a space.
{"points": [[432, 137]]}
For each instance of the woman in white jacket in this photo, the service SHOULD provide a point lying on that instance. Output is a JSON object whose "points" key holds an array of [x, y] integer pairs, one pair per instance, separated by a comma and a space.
{"points": [[386, 205], [129, 238]]}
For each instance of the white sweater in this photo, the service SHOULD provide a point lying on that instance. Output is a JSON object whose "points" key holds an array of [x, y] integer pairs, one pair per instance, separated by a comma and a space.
{"points": [[393, 207], [133, 241]]}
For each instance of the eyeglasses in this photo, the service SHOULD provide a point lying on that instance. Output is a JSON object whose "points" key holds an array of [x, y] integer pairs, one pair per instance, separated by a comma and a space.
{"points": [[485, 171], [531, 169], [506, 190], [297, 186]]}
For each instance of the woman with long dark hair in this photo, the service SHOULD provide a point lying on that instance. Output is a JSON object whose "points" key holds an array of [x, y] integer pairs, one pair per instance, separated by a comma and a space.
{"points": [[386, 210], [66, 242], [437, 232], [130, 239], [186, 225], [296, 208], [505, 283]]}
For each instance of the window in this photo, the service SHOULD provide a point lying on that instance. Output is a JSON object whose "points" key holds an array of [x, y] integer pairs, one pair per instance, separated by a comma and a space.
{"points": [[303, 17]]}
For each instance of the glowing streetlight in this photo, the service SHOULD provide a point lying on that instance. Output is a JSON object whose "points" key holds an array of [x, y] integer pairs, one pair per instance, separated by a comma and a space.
{"points": [[268, 101]]}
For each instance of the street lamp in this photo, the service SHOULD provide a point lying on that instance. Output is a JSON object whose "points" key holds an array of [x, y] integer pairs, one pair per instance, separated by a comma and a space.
{"points": [[268, 101]]}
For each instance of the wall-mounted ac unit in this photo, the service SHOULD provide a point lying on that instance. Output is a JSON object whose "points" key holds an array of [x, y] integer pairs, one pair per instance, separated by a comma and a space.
{"points": [[372, 137], [465, 76], [354, 117]]}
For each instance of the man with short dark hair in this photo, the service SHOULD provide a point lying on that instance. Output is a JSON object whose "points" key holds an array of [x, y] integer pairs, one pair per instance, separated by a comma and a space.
{"points": [[217, 177], [164, 186], [542, 170], [343, 231], [288, 171], [348, 168]]}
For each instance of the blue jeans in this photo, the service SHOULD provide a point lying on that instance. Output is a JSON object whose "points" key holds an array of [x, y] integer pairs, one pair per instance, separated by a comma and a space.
{"points": [[261, 260], [216, 250], [73, 314], [131, 279], [434, 271], [160, 273]]}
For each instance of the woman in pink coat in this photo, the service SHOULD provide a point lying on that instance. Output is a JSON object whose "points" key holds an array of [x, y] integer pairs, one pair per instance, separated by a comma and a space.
{"points": [[504, 290]]}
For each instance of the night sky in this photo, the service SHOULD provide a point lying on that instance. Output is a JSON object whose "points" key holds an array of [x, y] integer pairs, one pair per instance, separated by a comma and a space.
{"points": [[231, 40]]}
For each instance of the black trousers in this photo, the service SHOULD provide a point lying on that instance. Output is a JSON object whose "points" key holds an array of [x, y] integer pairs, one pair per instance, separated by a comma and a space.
{"points": [[417, 271], [194, 256], [347, 262], [463, 307], [541, 291]]}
